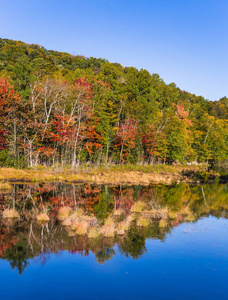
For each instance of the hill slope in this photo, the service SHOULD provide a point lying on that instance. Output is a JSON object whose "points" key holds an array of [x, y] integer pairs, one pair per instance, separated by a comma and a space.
{"points": [[60, 108]]}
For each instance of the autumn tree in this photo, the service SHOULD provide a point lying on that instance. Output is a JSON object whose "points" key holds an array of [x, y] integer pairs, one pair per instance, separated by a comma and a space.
{"points": [[10, 121], [126, 136]]}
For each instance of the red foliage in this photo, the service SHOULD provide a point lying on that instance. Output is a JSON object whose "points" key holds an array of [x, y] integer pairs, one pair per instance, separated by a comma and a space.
{"points": [[9, 102], [126, 136], [182, 114], [83, 88], [91, 137], [3, 136], [149, 139]]}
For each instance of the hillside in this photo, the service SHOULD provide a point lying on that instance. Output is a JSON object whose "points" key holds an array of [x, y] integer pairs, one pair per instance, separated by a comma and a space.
{"points": [[60, 109]]}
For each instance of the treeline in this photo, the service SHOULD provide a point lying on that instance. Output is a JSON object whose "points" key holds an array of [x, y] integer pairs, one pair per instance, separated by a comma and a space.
{"points": [[56, 108]]}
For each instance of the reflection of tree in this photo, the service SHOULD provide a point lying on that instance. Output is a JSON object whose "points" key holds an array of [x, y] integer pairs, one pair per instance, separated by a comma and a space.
{"points": [[154, 232], [176, 195], [105, 204], [102, 199], [104, 254], [132, 245], [25, 238], [18, 255]]}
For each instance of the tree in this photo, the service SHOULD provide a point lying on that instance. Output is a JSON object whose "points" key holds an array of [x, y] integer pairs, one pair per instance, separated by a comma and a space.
{"points": [[154, 143], [10, 103], [125, 138]]}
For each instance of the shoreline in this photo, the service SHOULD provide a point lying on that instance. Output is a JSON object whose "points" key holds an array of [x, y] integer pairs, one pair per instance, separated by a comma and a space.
{"points": [[113, 176]]}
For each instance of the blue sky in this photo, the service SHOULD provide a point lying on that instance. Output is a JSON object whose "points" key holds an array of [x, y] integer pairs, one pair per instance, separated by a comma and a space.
{"points": [[184, 41]]}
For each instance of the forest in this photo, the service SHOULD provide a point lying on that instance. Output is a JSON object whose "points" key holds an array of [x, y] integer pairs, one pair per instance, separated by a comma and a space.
{"points": [[57, 109]]}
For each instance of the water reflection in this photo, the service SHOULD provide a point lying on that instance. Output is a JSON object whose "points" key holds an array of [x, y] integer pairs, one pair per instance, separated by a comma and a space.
{"points": [[24, 238]]}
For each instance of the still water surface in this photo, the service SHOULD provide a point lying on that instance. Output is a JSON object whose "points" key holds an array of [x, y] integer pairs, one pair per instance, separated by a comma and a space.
{"points": [[185, 260]]}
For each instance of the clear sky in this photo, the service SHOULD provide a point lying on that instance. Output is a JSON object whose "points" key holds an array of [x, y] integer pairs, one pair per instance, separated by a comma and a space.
{"points": [[184, 41]]}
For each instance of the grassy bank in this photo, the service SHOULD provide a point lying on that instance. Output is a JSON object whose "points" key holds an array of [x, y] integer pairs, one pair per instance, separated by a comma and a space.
{"points": [[124, 174]]}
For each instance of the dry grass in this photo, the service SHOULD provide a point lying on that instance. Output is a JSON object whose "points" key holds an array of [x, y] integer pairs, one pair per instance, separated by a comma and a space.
{"points": [[123, 227], [118, 212], [162, 213], [90, 220], [28, 175], [82, 228], [150, 214], [109, 221], [67, 221], [130, 174], [78, 217], [93, 233], [155, 168], [74, 224], [10, 214], [71, 233], [77, 213], [73, 218], [109, 228], [131, 218], [138, 207], [43, 217], [63, 213], [143, 222]]}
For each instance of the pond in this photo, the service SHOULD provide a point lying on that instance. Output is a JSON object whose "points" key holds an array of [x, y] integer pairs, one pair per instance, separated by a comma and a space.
{"points": [[151, 242]]}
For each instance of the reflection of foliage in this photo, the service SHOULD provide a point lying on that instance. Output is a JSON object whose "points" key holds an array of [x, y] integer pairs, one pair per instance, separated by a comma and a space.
{"points": [[104, 254], [18, 255], [105, 205], [24, 238], [133, 245], [176, 195], [90, 196], [102, 199]]}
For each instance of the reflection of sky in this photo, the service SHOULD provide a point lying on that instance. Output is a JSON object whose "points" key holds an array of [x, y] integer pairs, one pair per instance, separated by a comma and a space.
{"points": [[192, 263], [184, 41]]}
